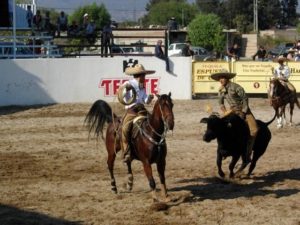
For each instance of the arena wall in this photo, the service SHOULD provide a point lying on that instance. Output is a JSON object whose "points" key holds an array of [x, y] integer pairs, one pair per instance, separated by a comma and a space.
{"points": [[74, 80]]}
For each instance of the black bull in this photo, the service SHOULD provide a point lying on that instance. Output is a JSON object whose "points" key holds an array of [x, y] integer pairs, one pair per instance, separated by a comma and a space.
{"points": [[232, 134]]}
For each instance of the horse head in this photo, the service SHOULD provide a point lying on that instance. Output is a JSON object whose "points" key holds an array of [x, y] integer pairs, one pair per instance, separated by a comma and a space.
{"points": [[163, 109], [276, 88]]}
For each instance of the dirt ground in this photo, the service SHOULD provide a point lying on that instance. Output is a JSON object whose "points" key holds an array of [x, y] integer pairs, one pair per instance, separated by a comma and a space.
{"points": [[50, 173]]}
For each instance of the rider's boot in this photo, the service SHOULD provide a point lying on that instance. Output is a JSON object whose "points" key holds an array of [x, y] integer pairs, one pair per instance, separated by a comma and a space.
{"points": [[126, 152]]}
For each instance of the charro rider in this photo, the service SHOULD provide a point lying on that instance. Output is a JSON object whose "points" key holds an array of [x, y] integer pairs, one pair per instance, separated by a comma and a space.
{"points": [[238, 101], [282, 72], [137, 106]]}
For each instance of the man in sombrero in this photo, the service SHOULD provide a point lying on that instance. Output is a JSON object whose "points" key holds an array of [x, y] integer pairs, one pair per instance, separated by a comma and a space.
{"points": [[238, 102], [282, 72], [137, 106]]}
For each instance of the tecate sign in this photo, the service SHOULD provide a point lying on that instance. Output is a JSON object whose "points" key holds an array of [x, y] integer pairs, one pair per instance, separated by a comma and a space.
{"points": [[111, 85]]}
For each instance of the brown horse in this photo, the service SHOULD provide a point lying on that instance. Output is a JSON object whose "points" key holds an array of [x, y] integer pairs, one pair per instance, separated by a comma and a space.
{"points": [[147, 139], [280, 96]]}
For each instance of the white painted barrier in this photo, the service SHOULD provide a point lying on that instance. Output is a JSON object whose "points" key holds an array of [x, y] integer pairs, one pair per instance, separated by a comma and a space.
{"points": [[86, 79]]}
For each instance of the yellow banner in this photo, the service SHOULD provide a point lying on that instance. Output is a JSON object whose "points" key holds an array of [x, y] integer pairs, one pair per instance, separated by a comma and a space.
{"points": [[202, 83], [253, 76]]}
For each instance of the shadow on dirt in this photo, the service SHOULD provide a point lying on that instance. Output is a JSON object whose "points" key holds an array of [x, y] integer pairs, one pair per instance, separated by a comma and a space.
{"points": [[6, 110], [215, 188], [12, 216]]}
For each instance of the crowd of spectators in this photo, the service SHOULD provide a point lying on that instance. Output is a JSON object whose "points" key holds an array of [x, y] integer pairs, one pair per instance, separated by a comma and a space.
{"points": [[42, 23]]}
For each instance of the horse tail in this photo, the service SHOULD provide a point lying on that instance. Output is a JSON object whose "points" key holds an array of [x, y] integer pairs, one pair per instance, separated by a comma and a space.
{"points": [[271, 121], [99, 114]]}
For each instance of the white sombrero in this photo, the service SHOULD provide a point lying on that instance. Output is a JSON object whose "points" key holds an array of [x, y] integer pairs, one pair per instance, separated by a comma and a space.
{"points": [[223, 73], [137, 69]]}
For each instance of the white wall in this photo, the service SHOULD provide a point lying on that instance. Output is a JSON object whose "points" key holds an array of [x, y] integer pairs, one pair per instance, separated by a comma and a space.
{"points": [[70, 80]]}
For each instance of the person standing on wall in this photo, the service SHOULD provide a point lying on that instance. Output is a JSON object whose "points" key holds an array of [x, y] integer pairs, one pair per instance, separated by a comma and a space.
{"points": [[106, 39], [29, 16], [161, 55]]}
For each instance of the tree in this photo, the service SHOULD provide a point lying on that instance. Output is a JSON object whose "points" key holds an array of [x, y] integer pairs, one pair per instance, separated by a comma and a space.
{"points": [[208, 6], [207, 30], [161, 12], [291, 12], [239, 14], [269, 14], [97, 13]]}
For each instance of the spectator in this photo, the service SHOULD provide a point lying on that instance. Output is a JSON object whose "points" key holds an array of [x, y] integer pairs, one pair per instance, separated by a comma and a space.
{"points": [[261, 54], [291, 54], [85, 21], [297, 51], [187, 51], [29, 16], [106, 39], [37, 20], [172, 24], [160, 54], [233, 53], [73, 30], [62, 23], [48, 26], [90, 32]]}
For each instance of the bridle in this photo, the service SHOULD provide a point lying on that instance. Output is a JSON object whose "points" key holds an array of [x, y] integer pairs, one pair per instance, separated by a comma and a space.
{"points": [[163, 135]]}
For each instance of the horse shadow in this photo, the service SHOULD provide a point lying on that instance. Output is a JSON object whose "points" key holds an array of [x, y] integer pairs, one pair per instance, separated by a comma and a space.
{"points": [[215, 188], [10, 215]]}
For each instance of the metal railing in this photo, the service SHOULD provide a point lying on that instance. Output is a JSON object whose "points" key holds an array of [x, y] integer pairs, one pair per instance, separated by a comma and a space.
{"points": [[28, 47]]}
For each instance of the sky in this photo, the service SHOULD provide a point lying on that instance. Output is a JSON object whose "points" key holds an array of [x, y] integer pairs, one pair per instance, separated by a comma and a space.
{"points": [[120, 10]]}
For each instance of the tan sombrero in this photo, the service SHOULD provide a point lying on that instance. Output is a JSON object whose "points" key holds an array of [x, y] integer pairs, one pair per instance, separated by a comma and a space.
{"points": [[137, 69], [292, 50], [225, 73]]}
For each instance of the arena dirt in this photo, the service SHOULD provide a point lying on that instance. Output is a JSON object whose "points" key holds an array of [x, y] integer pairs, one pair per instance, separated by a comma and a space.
{"points": [[51, 173]]}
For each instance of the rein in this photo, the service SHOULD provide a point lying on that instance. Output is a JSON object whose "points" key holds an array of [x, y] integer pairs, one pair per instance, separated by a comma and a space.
{"points": [[162, 136]]}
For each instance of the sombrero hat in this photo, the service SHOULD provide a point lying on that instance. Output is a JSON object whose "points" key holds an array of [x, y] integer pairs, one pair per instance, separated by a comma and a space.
{"points": [[137, 69], [224, 73], [281, 58], [292, 50]]}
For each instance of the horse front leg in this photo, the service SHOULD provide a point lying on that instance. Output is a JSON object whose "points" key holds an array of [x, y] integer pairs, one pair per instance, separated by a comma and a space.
{"points": [[161, 166], [280, 118], [148, 172]]}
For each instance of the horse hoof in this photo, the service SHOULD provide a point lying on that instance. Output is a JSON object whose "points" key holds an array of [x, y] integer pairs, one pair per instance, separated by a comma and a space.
{"points": [[129, 187], [167, 199], [114, 190], [221, 174]]}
